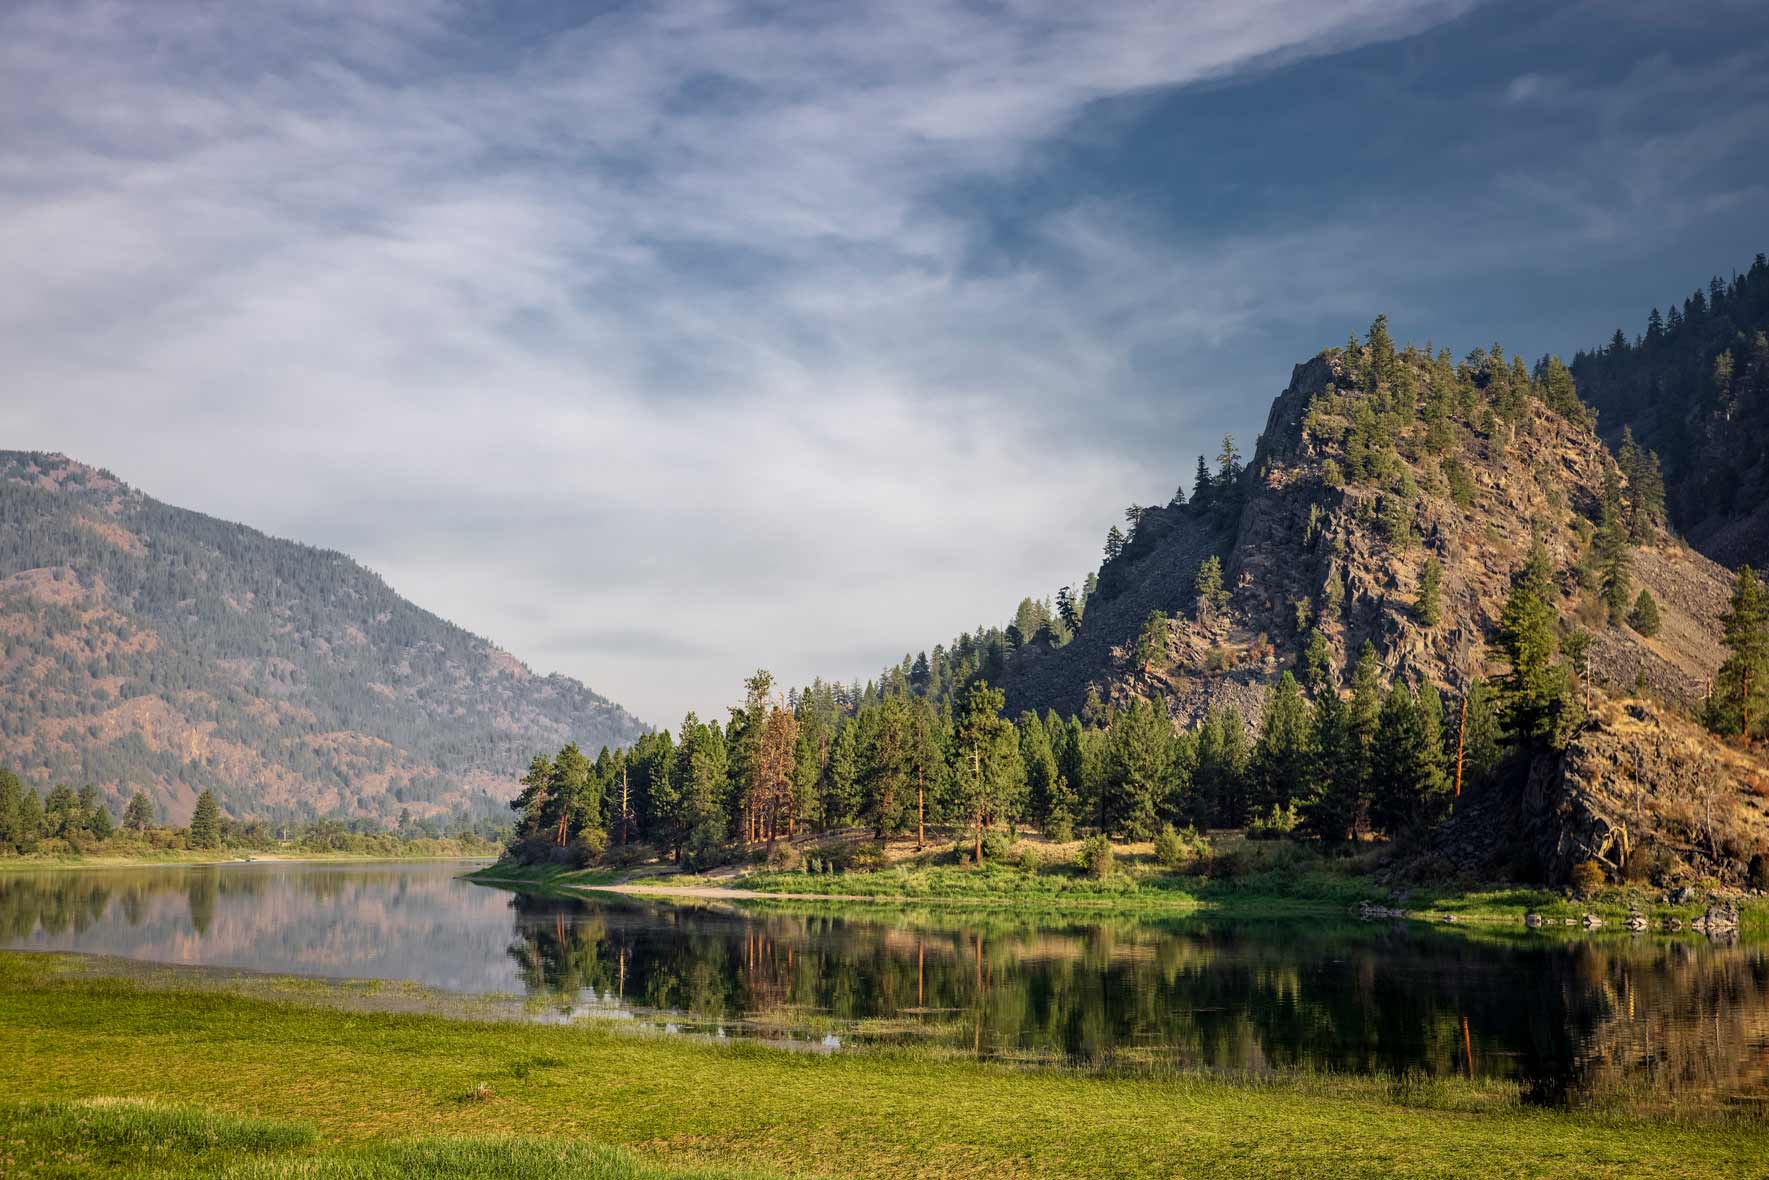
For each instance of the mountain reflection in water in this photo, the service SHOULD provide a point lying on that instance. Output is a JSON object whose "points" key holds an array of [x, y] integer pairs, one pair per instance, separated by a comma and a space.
{"points": [[1571, 1019]]}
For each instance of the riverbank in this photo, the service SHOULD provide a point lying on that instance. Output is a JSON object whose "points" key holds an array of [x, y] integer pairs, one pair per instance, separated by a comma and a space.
{"points": [[249, 1087], [1293, 891]]}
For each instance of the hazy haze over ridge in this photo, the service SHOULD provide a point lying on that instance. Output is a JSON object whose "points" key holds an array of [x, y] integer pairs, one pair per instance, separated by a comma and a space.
{"points": [[659, 342]]}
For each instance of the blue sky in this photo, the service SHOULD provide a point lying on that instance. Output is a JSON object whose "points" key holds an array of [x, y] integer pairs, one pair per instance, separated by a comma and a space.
{"points": [[658, 342]]}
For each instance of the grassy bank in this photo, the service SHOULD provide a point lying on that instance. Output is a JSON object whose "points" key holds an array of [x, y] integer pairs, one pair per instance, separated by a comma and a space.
{"points": [[245, 1087], [1268, 881]]}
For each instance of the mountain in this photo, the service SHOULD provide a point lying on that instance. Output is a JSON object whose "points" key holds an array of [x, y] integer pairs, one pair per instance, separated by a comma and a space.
{"points": [[154, 647], [1694, 388], [1379, 472], [1324, 538]]}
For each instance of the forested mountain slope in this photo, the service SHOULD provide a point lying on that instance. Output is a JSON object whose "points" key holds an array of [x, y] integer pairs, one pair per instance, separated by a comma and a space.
{"points": [[149, 646], [1694, 387]]}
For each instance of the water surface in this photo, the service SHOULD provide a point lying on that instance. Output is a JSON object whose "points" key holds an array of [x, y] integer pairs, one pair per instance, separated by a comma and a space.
{"points": [[1569, 1018]]}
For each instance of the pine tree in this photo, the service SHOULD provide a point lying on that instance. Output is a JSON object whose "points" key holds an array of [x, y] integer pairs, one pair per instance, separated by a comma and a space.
{"points": [[1740, 704], [139, 815], [1042, 776], [1644, 617], [977, 728], [12, 793], [1429, 605], [1114, 544], [1612, 553], [1207, 586], [1203, 485], [1219, 778], [205, 822], [1136, 775], [1151, 642], [1533, 689], [841, 790], [1283, 755]]}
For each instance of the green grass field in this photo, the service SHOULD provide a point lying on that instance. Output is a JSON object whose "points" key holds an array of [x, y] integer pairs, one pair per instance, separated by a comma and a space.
{"points": [[108, 1077]]}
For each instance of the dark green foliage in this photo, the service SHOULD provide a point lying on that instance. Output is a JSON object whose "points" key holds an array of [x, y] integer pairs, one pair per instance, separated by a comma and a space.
{"points": [[1644, 616], [205, 823], [1151, 642], [1137, 771], [1283, 756], [1694, 389], [1208, 589], [1408, 788], [1461, 484], [1429, 605], [139, 815], [1611, 551], [1740, 703], [1533, 689]]}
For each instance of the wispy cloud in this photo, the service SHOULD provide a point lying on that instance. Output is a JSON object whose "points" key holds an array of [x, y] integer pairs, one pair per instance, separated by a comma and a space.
{"points": [[670, 320]]}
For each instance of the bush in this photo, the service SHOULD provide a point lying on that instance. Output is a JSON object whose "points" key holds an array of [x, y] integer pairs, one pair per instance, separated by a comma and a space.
{"points": [[865, 858], [997, 846], [784, 858], [1030, 859], [1170, 850], [1095, 857], [1586, 877], [1759, 871], [1060, 829], [589, 848], [1275, 824]]}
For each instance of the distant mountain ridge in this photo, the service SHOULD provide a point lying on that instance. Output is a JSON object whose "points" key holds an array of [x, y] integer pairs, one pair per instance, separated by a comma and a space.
{"points": [[143, 645]]}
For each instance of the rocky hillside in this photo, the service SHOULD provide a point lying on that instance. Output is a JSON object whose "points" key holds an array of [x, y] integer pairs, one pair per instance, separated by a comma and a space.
{"points": [[149, 646], [1324, 535]]}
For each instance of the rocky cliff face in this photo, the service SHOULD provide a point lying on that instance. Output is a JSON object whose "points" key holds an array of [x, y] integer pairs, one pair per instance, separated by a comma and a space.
{"points": [[144, 646]]}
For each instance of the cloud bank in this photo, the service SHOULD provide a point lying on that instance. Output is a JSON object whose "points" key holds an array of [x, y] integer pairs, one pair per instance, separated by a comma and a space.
{"points": [[665, 341]]}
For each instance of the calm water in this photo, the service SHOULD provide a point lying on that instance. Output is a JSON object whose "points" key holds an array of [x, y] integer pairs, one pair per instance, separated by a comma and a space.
{"points": [[1571, 1019]]}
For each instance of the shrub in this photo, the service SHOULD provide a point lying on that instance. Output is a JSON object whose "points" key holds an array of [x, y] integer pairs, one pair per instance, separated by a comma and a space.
{"points": [[783, 857], [1060, 829], [1586, 877], [1759, 871], [589, 847], [1095, 857], [1275, 824], [1644, 617], [997, 846], [865, 858], [1030, 859]]}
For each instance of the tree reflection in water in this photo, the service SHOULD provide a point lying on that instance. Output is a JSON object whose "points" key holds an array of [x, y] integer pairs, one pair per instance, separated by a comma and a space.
{"points": [[1569, 1019]]}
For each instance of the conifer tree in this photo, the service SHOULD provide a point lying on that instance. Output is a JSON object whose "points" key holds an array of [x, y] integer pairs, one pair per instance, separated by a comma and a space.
{"points": [[1644, 617], [1533, 689], [1207, 586], [1429, 605], [1740, 704], [1136, 776], [841, 792], [1612, 554], [1203, 485], [139, 815], [1219, 777], [977, 729], [205, 822], [1283, 755], [1151, 642]]}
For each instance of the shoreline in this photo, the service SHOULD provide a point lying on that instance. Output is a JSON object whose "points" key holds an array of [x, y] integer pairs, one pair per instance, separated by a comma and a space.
{"points": [[1502, 907]]}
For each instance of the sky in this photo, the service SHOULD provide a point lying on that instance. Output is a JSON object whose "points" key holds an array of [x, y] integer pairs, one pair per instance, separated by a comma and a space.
{"points": [[662, 341]]}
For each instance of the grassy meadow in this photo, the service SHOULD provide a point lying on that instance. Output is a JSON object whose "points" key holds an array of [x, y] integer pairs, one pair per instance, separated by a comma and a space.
{"points": [[110, 1077]]}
